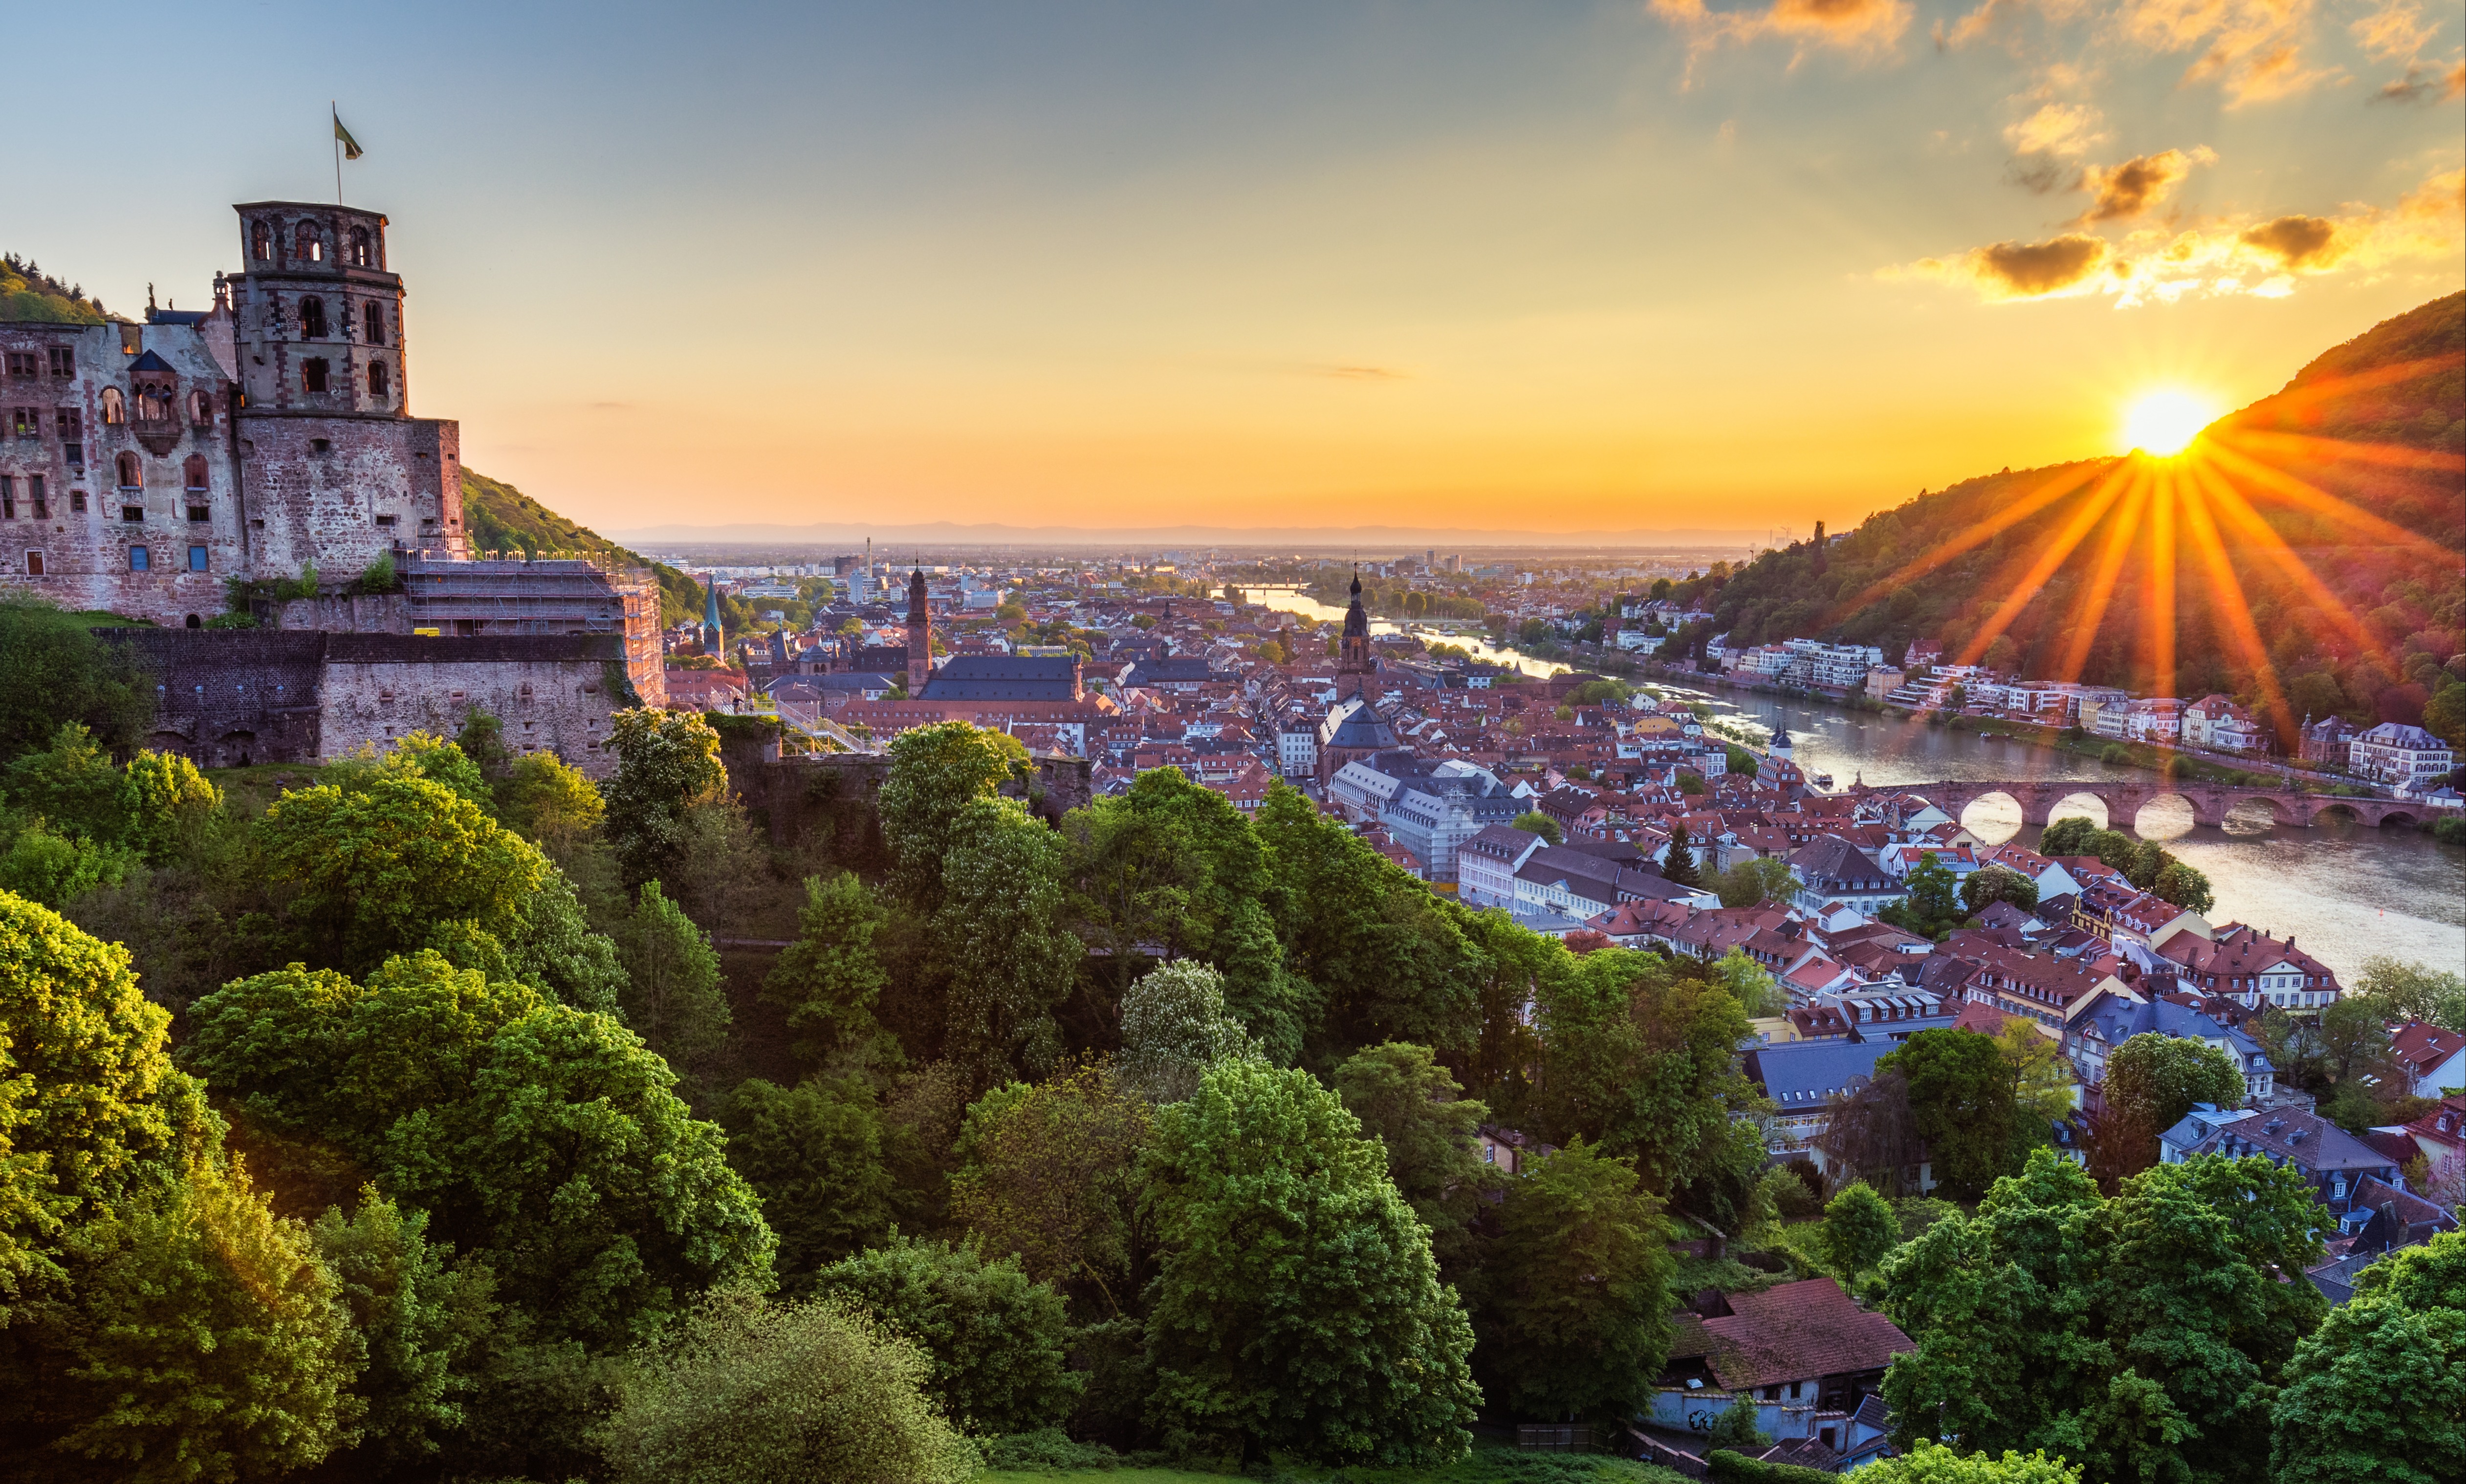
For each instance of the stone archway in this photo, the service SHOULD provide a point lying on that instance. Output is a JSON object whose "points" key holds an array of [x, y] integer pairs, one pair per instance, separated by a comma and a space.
{"points": [[2165, 793], [2103, 816]]}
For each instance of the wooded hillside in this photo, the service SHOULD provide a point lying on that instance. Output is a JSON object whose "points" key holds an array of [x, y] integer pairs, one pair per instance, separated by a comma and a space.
{"points": [[2309, 545], [498, 517]]}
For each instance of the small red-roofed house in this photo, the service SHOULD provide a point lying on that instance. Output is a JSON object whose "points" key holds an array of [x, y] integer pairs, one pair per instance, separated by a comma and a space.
{"points": [[1797, 1353], [2434, 1058]]}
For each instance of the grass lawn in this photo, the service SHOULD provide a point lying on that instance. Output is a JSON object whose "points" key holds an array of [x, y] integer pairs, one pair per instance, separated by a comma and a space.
{"points": [[1490, 1463]]}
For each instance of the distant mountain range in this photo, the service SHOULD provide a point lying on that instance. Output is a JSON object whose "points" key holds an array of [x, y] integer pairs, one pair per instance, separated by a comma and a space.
{"points": [[943, 533]]}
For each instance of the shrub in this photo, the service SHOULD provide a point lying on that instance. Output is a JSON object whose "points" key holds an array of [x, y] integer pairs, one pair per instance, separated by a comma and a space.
{"points": [[750, 1392]]}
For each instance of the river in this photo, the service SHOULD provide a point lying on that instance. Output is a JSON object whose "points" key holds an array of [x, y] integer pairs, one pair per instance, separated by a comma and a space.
{"points": [[2344, 891]]}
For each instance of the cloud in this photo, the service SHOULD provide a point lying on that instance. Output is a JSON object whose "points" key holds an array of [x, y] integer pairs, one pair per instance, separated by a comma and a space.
{"points": [[2140, 183], [1361, 373], [2419, 83], [2295, 242], [2395, 32], [2251, 49], [2263, 258], [2056, 130], [1855, 26], [2019, 270]]}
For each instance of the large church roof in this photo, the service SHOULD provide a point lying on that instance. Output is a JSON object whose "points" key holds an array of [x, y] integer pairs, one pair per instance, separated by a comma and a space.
{"points": [[1003, 677]]}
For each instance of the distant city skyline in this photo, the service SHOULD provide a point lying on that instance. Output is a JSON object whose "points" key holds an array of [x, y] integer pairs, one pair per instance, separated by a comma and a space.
{"points": [[1590, 269]]}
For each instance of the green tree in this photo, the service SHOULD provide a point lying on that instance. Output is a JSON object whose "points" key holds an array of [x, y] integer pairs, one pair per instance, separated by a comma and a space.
{"points": [[999, 933], [375, 865], [2183, 886], [1173, 1027], [2042, 1079], [673, 998], [829, 980], [2152, 1081], [1577, 1319], [2141, 1335], [416, 1322], [1534, 822], [1859, 1230], [1298, 1307], [57, 870], [71, 785], [1171, 870], [52, 670], [547, 802], [1961, 1103], [816, 1155], [1678, 862], [494, 1111], [1417, 1110], [2405, 992], [667, 762], [999, 1342], [1983, 888], [1644, 1064], [1753, 883], [1382, 958], [744, 1392], [1750, 983], [206, 1341], [1052, 1175], [427, 755], [90, 1109], [1933, 1463], [2377, 1394], [1734, 1429], [1932, 907], [936, 772]]}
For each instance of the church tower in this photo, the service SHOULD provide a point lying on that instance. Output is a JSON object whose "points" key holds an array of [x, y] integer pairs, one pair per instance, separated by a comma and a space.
{"points": [[711, 637], [920, 635], [1353, 663]]}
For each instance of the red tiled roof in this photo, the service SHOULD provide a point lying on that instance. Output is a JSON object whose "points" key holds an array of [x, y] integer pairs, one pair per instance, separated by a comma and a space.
{"points": [[1798, 1332]]}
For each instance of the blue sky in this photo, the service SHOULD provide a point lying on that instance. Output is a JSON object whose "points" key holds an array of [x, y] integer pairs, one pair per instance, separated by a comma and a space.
{"points": [[1522, 266]]}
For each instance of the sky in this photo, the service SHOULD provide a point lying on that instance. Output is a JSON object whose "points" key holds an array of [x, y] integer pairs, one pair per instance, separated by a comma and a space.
{"points": [[1537, 266]]}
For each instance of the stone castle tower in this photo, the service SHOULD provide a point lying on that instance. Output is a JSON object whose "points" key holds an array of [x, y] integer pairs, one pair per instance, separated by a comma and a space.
{"points": [[332, 466], [920, 635]]}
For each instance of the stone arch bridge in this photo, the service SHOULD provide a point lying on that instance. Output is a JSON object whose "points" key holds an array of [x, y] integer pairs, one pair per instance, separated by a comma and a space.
{"points": [[2210, 803]]}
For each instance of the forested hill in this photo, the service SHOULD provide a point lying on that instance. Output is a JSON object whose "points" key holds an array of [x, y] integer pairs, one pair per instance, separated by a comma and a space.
{"points": [[2311, 542], [498, 517], [27, 293]]}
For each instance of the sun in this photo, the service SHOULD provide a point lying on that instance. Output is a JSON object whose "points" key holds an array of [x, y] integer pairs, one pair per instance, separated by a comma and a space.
{"points": [[2165, 422]]}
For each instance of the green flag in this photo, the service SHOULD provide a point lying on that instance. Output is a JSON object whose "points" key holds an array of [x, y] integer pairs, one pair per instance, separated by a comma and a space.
{"points": [[350, 145]]}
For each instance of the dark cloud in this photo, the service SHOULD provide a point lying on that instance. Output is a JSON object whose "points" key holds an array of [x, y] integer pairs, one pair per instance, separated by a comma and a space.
{"points": [[2037, 174], [2132, 187], [2420, 83], [2026, 270], [2295, 241]]}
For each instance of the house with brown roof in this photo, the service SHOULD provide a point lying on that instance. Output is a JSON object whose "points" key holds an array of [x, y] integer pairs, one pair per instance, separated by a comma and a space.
{"points": [[2251, 967], [1804, 1355]]}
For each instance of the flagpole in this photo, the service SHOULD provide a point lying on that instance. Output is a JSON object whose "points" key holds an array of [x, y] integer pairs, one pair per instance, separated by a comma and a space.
{"points": [[335, 108]]}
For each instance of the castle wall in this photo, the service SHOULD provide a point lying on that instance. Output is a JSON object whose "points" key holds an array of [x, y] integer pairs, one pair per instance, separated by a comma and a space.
{"points": [[224, 696], [551, 692], [341, 491]]}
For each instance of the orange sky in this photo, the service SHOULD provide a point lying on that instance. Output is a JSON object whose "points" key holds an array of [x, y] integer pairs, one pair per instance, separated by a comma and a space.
{"points": [[1609, 267]]}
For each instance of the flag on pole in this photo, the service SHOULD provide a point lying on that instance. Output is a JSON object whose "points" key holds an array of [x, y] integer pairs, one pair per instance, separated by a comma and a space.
{"points": [[350, 145]]}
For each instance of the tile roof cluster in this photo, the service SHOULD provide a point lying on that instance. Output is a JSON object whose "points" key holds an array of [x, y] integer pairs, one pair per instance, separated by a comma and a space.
{"points": [[1802, 1331]]}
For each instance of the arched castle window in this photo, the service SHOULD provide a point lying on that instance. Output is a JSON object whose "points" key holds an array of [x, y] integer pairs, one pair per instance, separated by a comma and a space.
{"points": [[132, 472], [312, 318], [201, 410], [309, 247], [377, 379], [312, 374], [375, 318], [260, 241], [194, 473], [115, 407], [153, 404], [359, 246]]}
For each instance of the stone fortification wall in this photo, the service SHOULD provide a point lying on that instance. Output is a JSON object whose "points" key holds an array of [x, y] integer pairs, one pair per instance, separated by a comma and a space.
{"points": [[340, 490], [553, 692], [338, 612], [226, 697]]}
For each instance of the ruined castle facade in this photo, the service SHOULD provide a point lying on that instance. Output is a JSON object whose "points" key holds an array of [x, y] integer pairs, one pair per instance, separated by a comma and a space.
{"points": [[159, 469]]}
